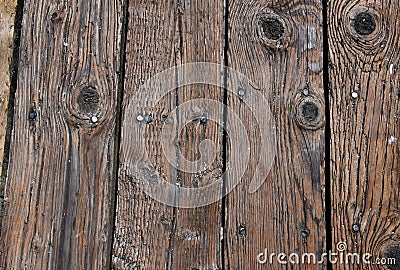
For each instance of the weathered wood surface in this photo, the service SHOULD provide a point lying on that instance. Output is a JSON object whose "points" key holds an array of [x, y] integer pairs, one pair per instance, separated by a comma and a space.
{"points": [[364, 100], [58, 211], [278, 45], [150, 235], [7, 16], [60, 181]]}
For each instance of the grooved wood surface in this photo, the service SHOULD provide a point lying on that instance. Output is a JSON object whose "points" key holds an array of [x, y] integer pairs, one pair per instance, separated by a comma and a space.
{"points": [[365, 107], [86, 145], [150, 235], [278, 46], [59, 189], [7, 14]]}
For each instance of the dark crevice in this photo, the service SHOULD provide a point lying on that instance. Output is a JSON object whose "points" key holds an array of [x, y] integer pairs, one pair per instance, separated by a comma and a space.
{"points": [[224, 241], [14, 65], [118, 130], [328, 195]]}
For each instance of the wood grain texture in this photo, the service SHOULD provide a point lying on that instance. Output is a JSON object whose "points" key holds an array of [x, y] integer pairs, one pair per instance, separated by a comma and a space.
{"points": [[365, 107], [60, 181], [150, 235], [7, 14], [278, 46], [197, 231], [142, 225]]}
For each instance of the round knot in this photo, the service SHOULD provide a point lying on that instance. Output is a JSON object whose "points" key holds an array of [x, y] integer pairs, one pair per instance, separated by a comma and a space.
{"points": [[85, 105], [365, 34], [364, 23], [273, 29], [309, 114], [88, 100]]}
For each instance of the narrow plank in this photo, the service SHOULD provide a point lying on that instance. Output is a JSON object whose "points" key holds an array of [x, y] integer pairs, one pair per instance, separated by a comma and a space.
{"points": [[149, 234], [278, 46], [7, 16], [197, 232], [364, 55], [60, 180], [143, 226]]}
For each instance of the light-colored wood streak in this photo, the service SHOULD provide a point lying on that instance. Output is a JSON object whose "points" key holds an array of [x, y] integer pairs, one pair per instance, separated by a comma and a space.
{"points": [[7, 14], [365, 108], [60, 180]]}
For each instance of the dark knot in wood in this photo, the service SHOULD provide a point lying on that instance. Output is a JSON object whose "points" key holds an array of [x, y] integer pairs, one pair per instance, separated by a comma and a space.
{"points": [[309, 114], [272, 28], [88, 100], [86, 106], [364, 23]]}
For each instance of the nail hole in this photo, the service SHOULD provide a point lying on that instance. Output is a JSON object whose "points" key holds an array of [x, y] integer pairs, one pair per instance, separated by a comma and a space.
{"points": [[241, 92], [242, 230], [356, 228], [272, 28], [94, 119], [364, 23], [32, 115], [88, 100], [148, 118], [203, 120], [140, 118], [304, 233], [354, 95]]}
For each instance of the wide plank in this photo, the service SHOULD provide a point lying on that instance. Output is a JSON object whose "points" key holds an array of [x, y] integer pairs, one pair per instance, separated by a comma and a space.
{"points": [[278, 45], [59, 189], [364, 108]]}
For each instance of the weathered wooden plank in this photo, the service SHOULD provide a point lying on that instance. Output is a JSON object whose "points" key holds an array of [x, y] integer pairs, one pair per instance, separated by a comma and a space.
{"points": [[60, 179], [278, 46], [364, 60], [142, 225], [7, 14], [150, 235], [197, 231]]}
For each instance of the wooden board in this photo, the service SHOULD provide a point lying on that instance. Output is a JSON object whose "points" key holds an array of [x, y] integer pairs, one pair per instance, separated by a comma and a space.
{"points": [[7, 15], [364, 61], [150, 235], [60, 181], [278, 46]]}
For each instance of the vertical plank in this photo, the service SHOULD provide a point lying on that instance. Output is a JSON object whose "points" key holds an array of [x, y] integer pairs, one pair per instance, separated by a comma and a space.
{"points": [[364, 55], [278, 46], [197, 232], [7, 14], [60, 179], [149, 234], [143, 226]]}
